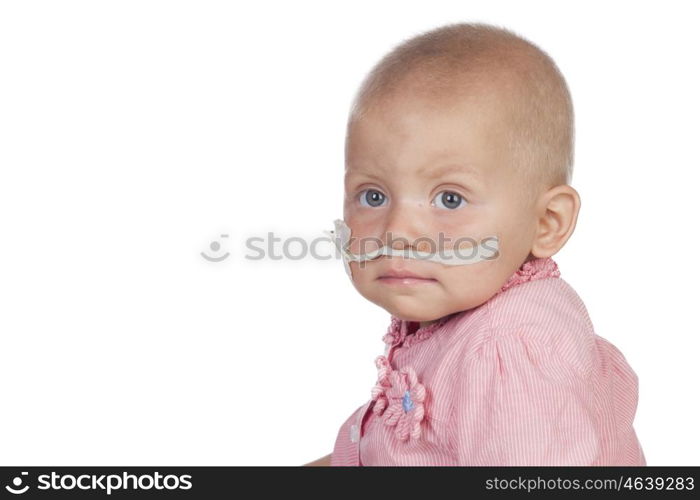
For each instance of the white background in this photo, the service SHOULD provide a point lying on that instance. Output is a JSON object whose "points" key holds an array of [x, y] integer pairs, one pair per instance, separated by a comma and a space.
{"points": [[134, 133]]}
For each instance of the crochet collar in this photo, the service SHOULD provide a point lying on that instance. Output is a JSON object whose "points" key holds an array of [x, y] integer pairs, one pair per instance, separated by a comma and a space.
{"points": [[410, 333]]}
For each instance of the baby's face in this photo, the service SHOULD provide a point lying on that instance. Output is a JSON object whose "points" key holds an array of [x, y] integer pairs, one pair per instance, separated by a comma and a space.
{"points": [[415, 169]]}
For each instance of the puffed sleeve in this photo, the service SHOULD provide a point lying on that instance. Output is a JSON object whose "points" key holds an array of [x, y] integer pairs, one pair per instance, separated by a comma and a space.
{"points": [[519, 401], [346, 447]]}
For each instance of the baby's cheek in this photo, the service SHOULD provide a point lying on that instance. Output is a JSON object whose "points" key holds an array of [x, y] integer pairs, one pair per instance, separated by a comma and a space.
{"points": [[364, 275], [470, 285], [365, 235], [366, 285]]}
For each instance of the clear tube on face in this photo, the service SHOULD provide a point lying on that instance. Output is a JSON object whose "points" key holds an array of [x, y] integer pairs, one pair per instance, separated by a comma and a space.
{"points": [[487, 249]]}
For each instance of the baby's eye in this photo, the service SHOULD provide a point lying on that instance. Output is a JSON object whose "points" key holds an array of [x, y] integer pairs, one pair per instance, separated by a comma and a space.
{"points": [[371, 198], [449, 200]]}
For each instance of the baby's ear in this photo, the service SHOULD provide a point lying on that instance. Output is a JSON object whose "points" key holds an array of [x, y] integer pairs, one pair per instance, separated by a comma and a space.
{"points": [[557, 211]]}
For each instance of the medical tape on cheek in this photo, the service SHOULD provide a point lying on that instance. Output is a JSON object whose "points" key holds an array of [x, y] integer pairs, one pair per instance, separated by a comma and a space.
{"points": [[341, 238], [487, 249]]}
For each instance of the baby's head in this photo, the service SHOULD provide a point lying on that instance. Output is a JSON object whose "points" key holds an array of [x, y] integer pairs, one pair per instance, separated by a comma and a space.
{"points": [[465, 131]]}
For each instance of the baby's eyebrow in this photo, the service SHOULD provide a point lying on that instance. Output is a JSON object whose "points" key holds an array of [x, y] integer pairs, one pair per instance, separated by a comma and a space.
{"points": [[361, 171], [428, 172], [452, 168]]}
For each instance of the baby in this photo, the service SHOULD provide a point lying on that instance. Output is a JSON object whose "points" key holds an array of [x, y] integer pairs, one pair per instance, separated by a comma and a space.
{"points": [[465, 134]]}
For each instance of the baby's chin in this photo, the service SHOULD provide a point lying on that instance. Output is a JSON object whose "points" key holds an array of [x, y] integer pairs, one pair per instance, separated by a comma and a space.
{"points": [[429, 305]]}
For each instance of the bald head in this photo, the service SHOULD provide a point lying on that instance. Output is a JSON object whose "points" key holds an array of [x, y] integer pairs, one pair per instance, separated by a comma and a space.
{"points": [[484, 62]]}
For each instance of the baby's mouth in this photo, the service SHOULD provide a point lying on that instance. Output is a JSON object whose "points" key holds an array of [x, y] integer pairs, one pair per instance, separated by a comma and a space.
{"points": [[404, 278]]}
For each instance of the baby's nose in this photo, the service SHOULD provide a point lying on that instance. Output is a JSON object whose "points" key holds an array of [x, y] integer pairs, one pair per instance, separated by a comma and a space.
{"points": [[407, 230]]}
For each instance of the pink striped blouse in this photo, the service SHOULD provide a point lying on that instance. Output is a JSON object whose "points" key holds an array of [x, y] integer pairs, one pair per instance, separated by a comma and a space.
{"points": [[522, 379]]}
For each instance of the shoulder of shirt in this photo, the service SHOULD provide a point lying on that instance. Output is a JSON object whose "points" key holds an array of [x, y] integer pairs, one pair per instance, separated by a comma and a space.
{"points": [[547, 312]]}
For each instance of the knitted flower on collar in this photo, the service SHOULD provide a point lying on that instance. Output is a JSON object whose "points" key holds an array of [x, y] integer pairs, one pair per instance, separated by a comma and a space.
{"points": [[383, 383], [399, 399]]}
